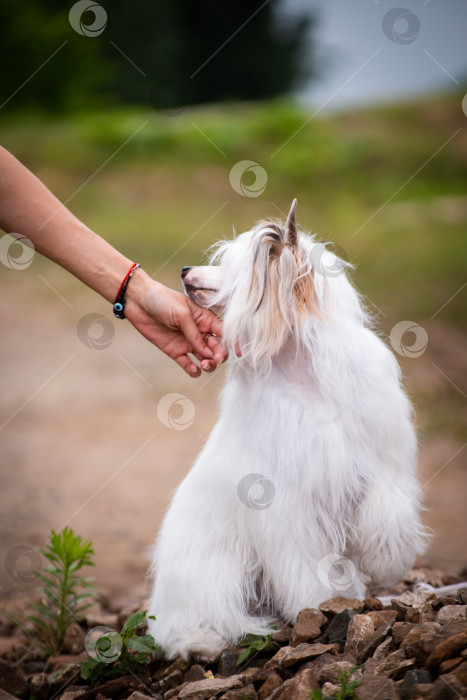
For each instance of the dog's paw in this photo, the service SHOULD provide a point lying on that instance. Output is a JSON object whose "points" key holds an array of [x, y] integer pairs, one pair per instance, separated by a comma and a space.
{"points": [[201, 645]]}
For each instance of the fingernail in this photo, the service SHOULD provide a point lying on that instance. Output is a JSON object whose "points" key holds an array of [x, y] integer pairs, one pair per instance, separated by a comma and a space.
{"points": [[219, 359], [205, 364]]}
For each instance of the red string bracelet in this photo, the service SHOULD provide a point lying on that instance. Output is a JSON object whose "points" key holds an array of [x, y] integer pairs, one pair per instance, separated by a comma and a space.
{"points": [[120, 301]]}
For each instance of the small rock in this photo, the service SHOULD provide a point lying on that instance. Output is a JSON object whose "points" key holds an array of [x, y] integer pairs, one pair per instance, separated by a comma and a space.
{"points": [[411, 680], [336, 631], [462, 595], [384, 649], [330, 672], [178, 664], [202, 690], [434, 577], [334, 606], [417, 599], [272, 682], [227, 663], [460, 672], [447, 649], [167, 682], [297, 688], [248, 674], [291, 656], [73, 692], [400, 631], [306, 652], [385, 617], [359, 633], [449, 665], [446, 600], [282, 635], [450, 613], [373, 643], [394, 666], [74, 639], [427, 615], [329, 690], [446, 687], [246, 693], [454, 627], [39, 686], [195, 673], [421, 641], [402, 610], [11, 680], [308, 626], [173, 693], [376, 688], [113, 688], [136, 695], [63, 676], [373, 603]]}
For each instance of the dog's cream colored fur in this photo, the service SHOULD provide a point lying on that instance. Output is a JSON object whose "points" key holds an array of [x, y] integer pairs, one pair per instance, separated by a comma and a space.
{"points": [[314, 408]]}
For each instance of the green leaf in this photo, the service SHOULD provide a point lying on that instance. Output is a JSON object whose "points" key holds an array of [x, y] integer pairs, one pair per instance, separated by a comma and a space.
{"points": [[134, 621], [88, 666], [145, 644], [246, 653]]}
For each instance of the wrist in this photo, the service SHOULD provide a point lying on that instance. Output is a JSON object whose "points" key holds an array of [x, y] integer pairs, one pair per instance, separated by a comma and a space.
{"points": [[139, 286]]}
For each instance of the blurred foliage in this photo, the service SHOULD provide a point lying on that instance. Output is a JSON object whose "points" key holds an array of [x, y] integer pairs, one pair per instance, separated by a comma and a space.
{"points": [[387, 184], [347, 170], [165, 53]]}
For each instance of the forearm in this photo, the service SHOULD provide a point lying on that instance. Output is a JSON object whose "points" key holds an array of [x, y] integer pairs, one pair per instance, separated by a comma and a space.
{"points": [[29, 208]]}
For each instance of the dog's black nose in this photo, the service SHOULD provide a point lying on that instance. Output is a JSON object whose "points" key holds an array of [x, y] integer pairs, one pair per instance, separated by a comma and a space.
{"points": [[185, 270]]}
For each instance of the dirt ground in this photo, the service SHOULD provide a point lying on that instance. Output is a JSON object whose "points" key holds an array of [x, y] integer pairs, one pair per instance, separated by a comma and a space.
{"points": [[81, 442]]}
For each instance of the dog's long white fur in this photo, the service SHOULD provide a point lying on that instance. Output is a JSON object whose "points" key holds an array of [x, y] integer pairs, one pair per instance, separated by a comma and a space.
{"points": [[315, 406]]}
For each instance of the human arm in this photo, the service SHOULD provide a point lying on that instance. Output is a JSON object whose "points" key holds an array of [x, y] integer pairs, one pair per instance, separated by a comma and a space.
{"points": [[165, 317]]}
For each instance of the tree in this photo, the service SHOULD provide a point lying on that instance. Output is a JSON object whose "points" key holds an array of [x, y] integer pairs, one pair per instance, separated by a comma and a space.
{"points": [[168, 53]]}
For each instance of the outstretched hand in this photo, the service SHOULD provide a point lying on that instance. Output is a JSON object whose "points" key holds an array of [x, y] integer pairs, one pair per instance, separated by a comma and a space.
{"points": [[175, 324]]}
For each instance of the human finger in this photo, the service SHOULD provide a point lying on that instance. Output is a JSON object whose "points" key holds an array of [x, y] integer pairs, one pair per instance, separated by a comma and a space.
{"points": [[190, 367]]}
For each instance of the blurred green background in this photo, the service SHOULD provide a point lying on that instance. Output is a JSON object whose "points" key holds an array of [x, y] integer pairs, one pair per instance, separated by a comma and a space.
{"points": [[148, 169]]}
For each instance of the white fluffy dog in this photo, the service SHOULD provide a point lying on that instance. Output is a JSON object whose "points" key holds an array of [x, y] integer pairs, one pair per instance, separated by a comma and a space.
{"points": [[306, 487]]}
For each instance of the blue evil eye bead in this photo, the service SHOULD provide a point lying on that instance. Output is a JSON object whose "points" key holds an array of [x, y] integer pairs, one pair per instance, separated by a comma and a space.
{"points": [[118, 306]]}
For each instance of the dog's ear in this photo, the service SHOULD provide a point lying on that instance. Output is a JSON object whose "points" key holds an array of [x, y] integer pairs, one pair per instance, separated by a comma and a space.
{"points": [[291, 235]]}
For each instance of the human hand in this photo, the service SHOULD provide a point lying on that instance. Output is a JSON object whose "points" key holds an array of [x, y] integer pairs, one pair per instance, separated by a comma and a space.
{"points": [[175, 324]]}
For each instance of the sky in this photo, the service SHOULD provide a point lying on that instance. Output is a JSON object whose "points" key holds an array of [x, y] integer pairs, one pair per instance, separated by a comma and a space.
{"points": [[381, 50]]}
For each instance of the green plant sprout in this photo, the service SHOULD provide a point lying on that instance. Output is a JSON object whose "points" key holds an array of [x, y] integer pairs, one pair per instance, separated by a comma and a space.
{"points": [[63, 596], [347, 687], [254, 643], [114, 654]]}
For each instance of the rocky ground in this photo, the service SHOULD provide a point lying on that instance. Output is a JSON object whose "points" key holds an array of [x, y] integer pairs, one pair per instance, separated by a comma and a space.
{"points": [[415, 647]]}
